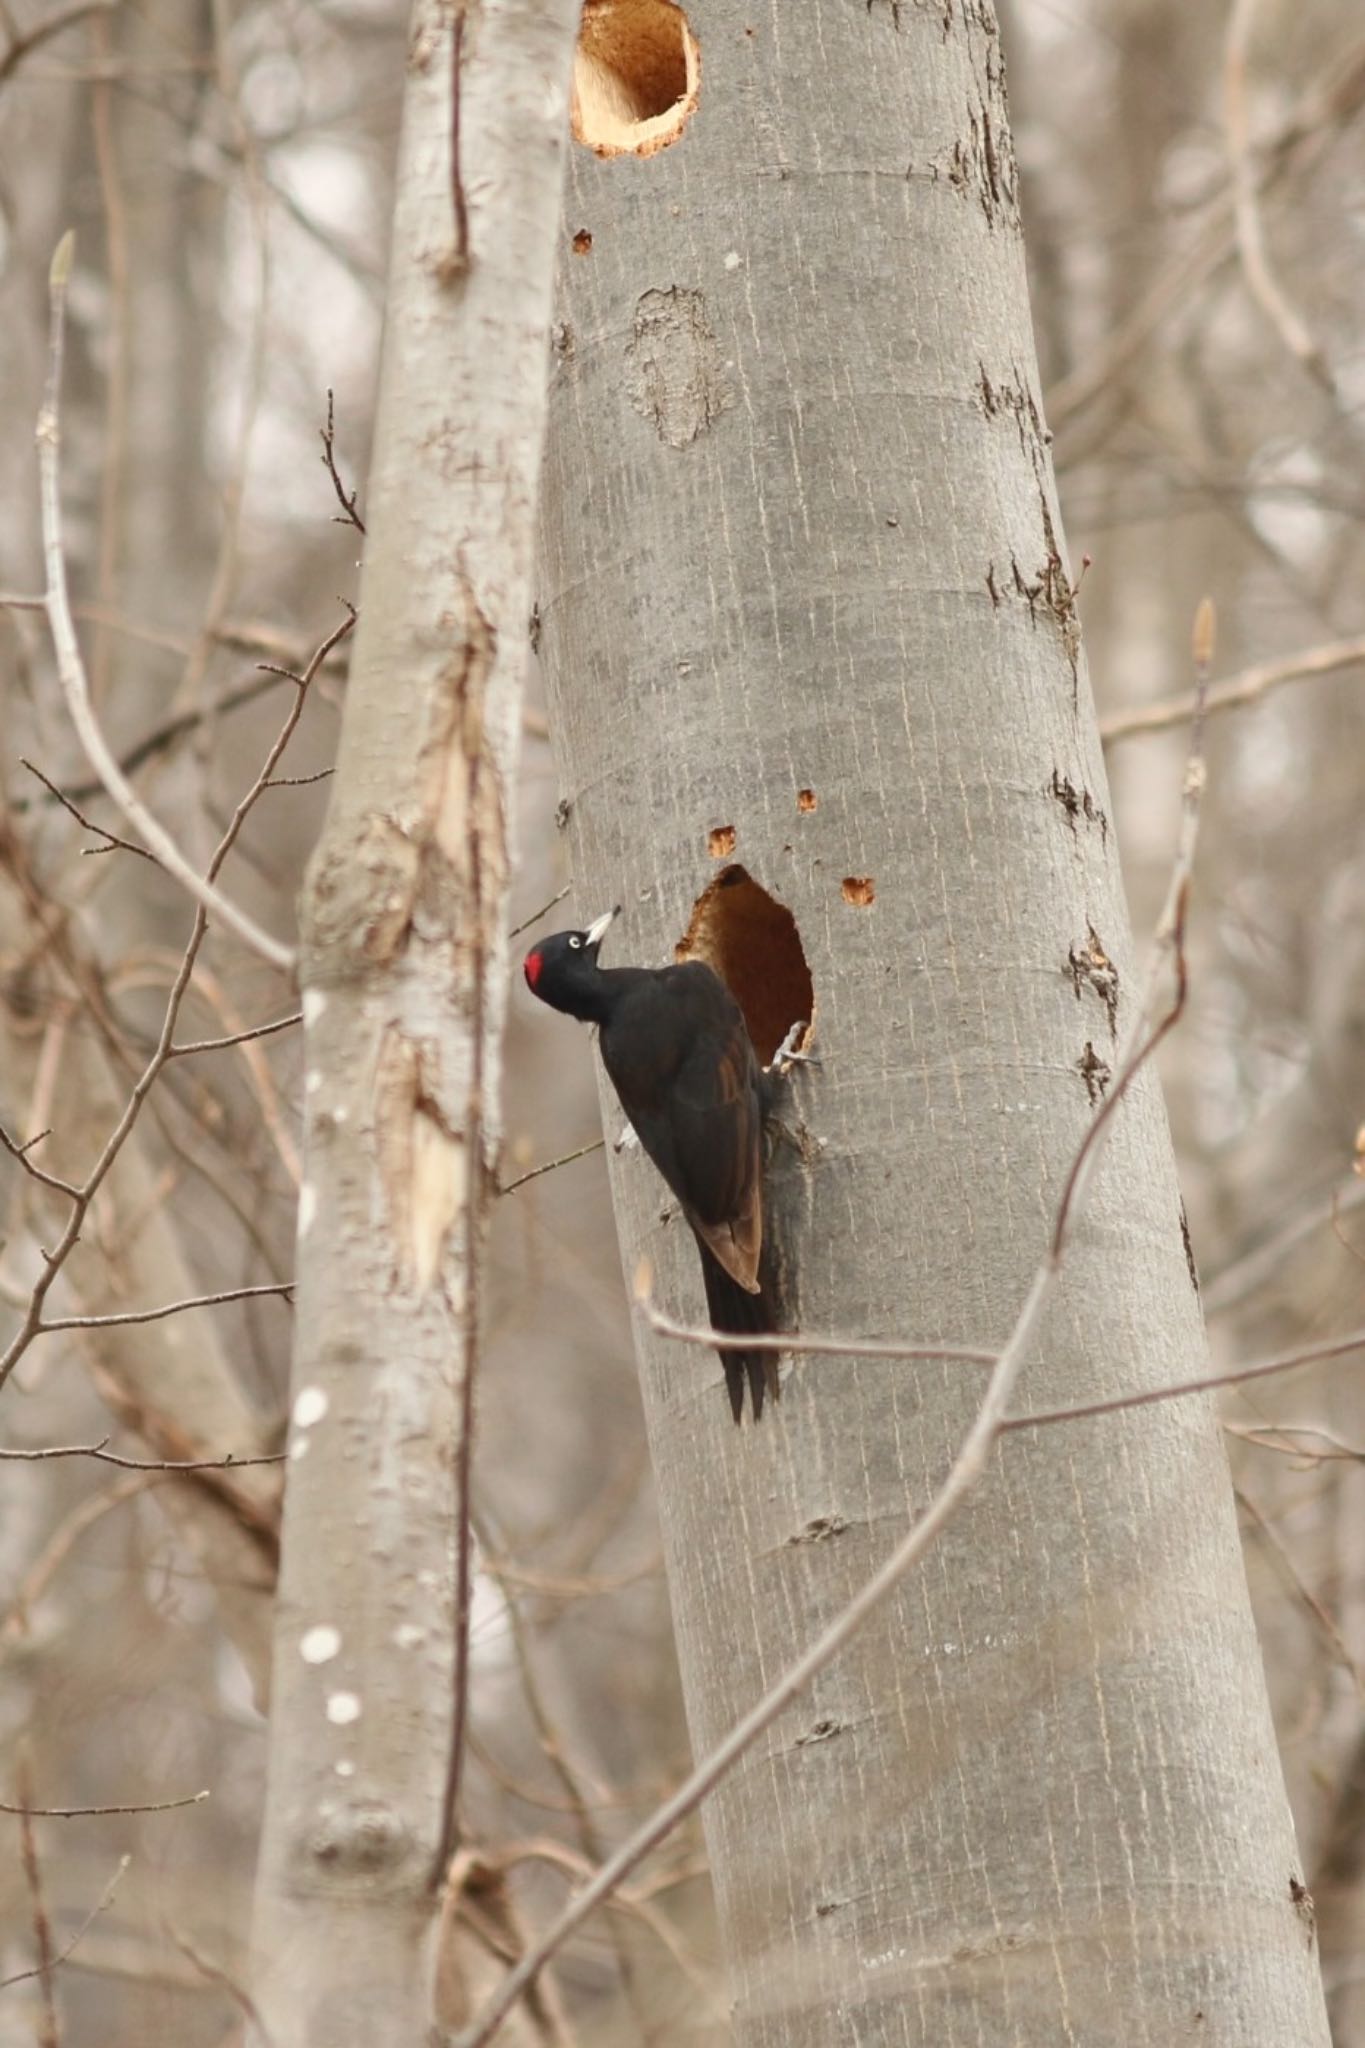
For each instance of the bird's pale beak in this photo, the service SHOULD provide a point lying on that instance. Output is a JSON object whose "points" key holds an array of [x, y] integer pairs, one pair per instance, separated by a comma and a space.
{"points": [[600, 926]]}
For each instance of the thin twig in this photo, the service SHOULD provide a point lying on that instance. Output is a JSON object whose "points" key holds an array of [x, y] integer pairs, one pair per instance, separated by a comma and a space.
{"points": [[85, 1194], [1280, 1437], [1251, 1269], [33, 39], [87, 1812], [1299, 1585], [1325, 105], [967, 1467], [973, 1456], [537, 915], [71, 668], [105, 1899], [49, 2033], [346, 499], [794, 1341], [167, 1308], [58, 1547], [300, 781], [1249, 685], [163, 737], [565, 1159], [555, 1750], [38, 1173], [1261, 280], [107, 1457], [88, 823], [1207, 1383], [181, 1052], [252, 359], [213, 1973], [1352, 1251], [636, 1902]]}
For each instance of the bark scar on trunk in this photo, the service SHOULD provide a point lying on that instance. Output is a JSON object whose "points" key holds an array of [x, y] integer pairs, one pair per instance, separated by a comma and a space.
{"points": [[675, 366], [423, 1162]]}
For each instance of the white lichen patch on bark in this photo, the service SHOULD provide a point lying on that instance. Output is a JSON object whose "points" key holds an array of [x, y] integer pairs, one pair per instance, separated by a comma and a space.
{"points": [[310, 1405]]}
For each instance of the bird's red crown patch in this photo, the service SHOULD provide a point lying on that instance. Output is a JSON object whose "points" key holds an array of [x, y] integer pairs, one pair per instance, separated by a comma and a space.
{"points": [[531, 969]]}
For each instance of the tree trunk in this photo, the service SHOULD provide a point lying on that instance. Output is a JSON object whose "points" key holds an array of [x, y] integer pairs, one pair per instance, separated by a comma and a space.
{"points": [[806, 612], [402, 973]]}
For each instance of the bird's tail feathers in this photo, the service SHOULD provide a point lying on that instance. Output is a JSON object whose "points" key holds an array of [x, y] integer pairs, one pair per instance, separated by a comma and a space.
{"points": [[741, 1314]]}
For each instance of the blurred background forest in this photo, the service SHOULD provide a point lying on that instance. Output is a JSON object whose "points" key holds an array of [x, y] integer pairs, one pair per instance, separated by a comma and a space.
{"points": [[1194, 203]]}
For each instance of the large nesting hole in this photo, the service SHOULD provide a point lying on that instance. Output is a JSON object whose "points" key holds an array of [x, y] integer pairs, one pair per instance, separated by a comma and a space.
{"points": [[752, 942], [635, 77]]}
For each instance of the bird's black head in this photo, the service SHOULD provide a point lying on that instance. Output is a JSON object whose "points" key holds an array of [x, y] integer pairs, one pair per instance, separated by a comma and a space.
{"points": [[563, 970]]}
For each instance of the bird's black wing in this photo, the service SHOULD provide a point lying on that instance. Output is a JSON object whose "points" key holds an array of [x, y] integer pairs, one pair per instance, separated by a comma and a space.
{"points": [[683, 1065]]}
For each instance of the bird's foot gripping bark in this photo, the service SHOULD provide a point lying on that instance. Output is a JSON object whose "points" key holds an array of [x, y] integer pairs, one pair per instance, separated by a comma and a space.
{"points": [[627, 1139], [788, 1056]]}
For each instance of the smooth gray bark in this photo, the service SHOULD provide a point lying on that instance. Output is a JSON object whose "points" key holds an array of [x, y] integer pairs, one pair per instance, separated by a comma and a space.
{"points": [[402, 972], [801, 534]]}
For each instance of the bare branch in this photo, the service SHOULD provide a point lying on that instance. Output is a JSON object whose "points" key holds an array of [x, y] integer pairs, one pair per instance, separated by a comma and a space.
{"points": [[564, 1159], [81, 819], [824, 1347], [213, 1973], [86, 1812], [181, 1052], [537, 915], [1207, 1383], [1331, 1634], [104, 1901], [38, 1173], [1233, 1282], [1261, 280], [300, 781], [60, 1543], [168, 1308], [555, 1748], [108, 1457], [43, 32], [71, 668], [1325, 104], [1246, 687], [82, 1198], [345, 498], [1281, 1437], [48, 2032]]}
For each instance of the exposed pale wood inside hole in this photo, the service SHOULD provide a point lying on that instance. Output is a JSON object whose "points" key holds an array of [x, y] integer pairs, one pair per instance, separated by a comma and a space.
{"points": [[636, 76]]}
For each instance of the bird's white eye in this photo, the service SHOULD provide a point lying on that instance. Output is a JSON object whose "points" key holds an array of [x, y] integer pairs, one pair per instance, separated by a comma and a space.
{"points": [[575, 941]]}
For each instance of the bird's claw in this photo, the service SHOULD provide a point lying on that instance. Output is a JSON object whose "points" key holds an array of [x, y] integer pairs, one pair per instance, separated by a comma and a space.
{"points": [[787, 1055], [627, 1139]]}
